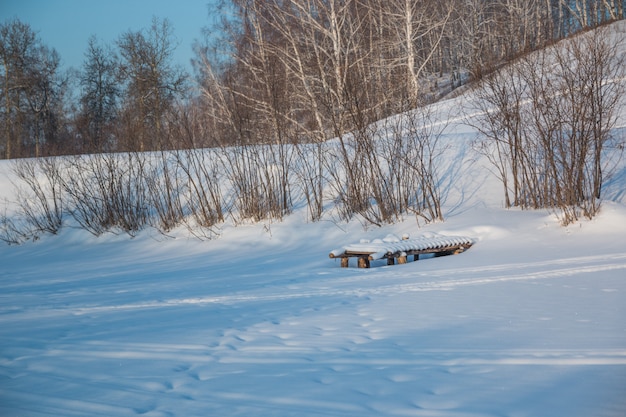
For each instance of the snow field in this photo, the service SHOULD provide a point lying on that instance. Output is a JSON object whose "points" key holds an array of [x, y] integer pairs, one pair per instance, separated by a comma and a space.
{"points": [[529, 321]]}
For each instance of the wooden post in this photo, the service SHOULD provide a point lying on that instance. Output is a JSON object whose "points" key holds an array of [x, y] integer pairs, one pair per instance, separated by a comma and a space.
{"points": [[344, 262], [401, 259], [390, 260], [364, 262], [416, 257]]}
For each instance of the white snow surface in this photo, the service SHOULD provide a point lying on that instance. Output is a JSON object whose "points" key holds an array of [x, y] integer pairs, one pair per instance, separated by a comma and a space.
{"points": [[531, 321]]}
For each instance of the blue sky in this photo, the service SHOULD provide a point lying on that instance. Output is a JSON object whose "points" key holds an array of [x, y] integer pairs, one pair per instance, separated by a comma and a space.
{"points": [[66, 25]]}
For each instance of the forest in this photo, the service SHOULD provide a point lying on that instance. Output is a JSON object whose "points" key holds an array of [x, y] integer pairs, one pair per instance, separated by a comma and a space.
{"points": [[138, 141]]}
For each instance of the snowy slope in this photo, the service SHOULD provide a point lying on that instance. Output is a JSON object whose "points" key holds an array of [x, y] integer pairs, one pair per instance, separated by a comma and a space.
{"points": [[528, 322]]}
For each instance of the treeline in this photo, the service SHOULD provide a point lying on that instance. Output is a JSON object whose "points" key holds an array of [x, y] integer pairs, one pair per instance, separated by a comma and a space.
{"points": [[137, 144], [119, 100], [281, 70], [319, 68]]}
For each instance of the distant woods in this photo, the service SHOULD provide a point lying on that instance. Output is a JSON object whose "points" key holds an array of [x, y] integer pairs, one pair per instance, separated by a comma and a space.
{"points": [[273, 81], [277, 70]]}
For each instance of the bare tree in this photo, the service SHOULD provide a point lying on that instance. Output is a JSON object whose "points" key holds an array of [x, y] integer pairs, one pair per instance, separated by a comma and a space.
{"points": [[29, 88], [152, 82], [18, 44], [100, 96], [414, 31]]}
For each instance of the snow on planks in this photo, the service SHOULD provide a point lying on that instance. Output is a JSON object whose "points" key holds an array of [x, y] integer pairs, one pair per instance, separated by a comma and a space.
{"points": [[393, 247]]}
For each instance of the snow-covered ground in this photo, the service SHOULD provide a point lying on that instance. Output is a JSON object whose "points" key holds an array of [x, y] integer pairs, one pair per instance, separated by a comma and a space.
{"points": [[531, 321]]}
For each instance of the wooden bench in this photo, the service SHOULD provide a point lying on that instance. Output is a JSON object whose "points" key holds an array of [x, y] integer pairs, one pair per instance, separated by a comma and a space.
{"points": [[394, 249]]}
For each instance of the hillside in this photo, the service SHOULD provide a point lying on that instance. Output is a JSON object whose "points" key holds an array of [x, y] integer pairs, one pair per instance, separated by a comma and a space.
{"points": [[528, 322]]}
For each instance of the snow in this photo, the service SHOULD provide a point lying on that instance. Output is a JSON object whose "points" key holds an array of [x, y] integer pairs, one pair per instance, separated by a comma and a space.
{"points": [[529, 322], [393, 244], [260, 322]]}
